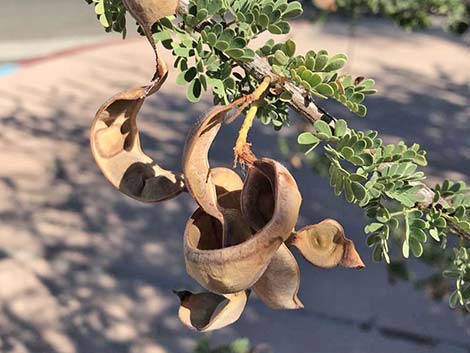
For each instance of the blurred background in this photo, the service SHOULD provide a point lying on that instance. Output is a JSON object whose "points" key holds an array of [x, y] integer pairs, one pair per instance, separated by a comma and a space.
{"points": [[84, 269]]}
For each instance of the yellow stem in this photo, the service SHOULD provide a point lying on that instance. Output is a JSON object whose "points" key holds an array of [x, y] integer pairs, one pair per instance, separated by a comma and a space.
{"points": [[247, 124], [242, 147]]}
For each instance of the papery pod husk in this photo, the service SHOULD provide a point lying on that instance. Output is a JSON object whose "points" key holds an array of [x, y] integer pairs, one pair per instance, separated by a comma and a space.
{"points": [[115, 144], [226, 180], [279, 284], [196, 168], [325, 245], [208, 311], [147, 12], [237, 267]]}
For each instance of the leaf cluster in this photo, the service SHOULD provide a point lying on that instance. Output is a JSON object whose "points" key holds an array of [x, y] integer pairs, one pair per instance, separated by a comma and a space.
{"points": [[111, 14], [212, 39], [460, 273], [318, 73]]}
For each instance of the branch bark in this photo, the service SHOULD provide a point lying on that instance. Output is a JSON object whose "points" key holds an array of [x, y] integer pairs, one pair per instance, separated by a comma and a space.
{"points": [[309, 110]]}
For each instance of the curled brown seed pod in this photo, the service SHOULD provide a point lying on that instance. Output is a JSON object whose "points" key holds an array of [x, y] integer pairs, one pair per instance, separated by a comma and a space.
{"points": [[115, 144], [325, 245], [279, 284], [208, 311], [238, 267]]}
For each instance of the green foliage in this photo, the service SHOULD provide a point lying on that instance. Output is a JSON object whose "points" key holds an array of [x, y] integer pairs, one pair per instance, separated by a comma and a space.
{"points": [[384, 181], [318, 74], [212, 40], [412, 14], [460, 272], [111, 14]]}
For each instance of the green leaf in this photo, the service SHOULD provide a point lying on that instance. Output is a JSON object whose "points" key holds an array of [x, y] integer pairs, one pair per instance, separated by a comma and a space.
{"points": [[325, 89], [454, 299], [279, 28], [335, 63], [290, 48], [281, 58], [420, 160], [313, 79], [358, 190], [320, 62], [294, 9], [357, 98], [307, 138], [99, 8], [377, 253], [418, 234], [367, 84], [348, 192], [406, 248], [222, 45], [373, 227], [182, 52], [104, 20], [418, 223], [361, 110], [339, 184], [194, 91], [285, 96], [347, 152], [263, 20], [340, 127], [323, 127], [434, 232], [234, 52], [357, 177]]}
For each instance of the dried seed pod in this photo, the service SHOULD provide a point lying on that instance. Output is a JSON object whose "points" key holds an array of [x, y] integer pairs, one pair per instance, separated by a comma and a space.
{"points": [[147, 12], [196, 168], [115, 145], [325, 245], [239, 266], [279, 284], [209, 311], [220, 251]]}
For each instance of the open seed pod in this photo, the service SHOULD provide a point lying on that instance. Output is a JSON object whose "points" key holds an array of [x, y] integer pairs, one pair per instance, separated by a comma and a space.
{"points": [[115, 145], [325, 245], [239, 266], [279, 284], [221, 252], [209, 311]]}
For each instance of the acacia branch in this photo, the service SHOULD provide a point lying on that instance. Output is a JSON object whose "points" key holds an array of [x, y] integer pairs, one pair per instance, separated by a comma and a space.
{"points": [[308, 109]]}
